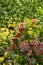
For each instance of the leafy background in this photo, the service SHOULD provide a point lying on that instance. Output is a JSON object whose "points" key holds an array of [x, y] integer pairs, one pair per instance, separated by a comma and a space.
{"points": [[17, 11]]}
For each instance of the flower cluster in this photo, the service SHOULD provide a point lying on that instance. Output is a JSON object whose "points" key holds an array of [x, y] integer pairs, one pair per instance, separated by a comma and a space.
{"points": [[22, 40]]}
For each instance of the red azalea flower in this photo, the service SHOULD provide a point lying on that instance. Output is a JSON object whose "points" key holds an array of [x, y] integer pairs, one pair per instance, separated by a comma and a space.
{"points": [[14, 46], [19, 35], [31, 45], [21, 29], [26, 51]]}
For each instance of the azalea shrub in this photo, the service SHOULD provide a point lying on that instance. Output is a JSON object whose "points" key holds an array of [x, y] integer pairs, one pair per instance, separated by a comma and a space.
{"points": [[21, 43], [21, 32]]}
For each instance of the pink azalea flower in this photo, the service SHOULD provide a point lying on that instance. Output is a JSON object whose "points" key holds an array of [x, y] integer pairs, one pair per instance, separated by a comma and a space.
{"points": [[19, 26], [25, 48], [24, 23], [36, 42], [35, 20]]}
